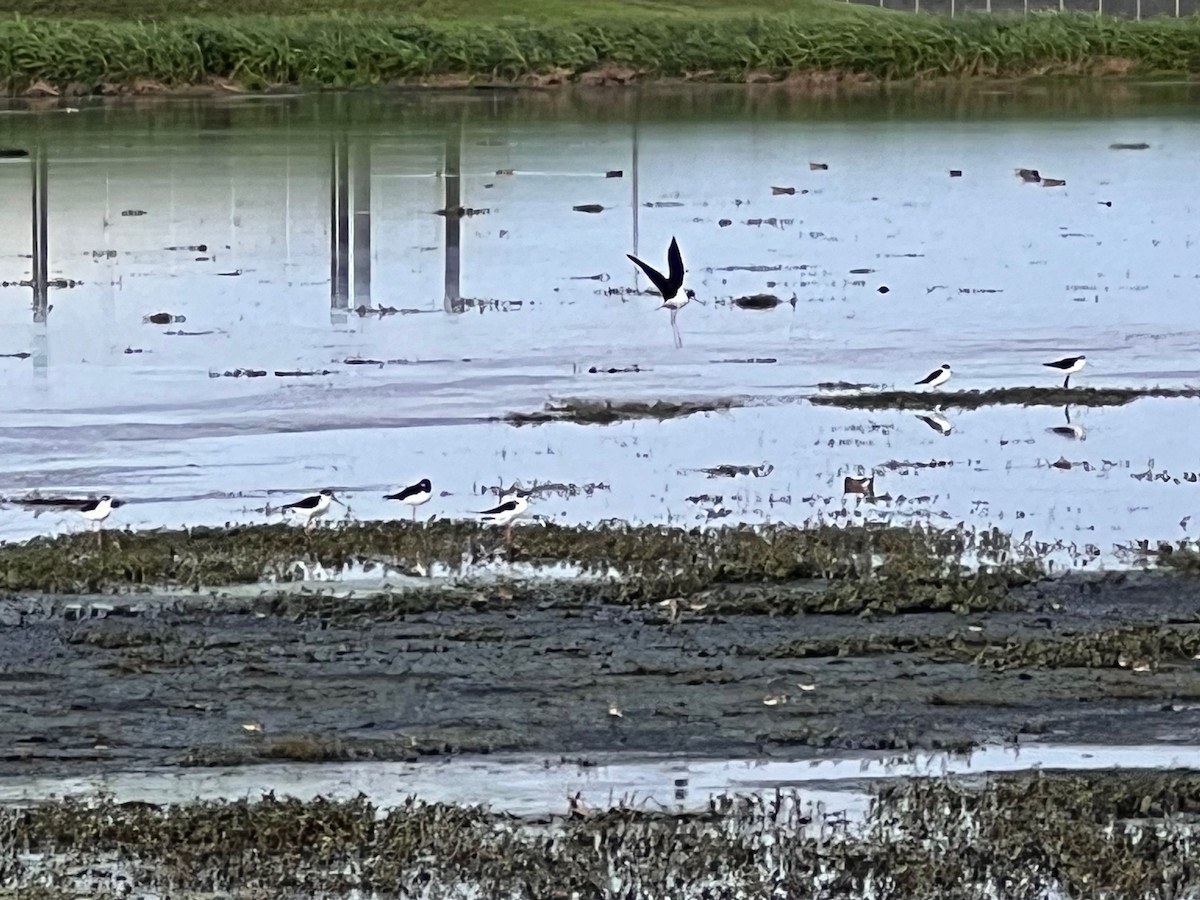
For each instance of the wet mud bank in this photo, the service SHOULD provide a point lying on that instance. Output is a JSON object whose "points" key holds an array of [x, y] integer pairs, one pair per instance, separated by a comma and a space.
{"points": [[785, 667]]}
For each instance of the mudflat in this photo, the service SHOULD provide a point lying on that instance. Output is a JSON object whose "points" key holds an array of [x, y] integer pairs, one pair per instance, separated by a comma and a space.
{"points": [[323, 673]]}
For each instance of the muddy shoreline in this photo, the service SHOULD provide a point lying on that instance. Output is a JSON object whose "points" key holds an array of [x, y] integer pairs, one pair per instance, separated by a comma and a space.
{"points": [[311, 673]]}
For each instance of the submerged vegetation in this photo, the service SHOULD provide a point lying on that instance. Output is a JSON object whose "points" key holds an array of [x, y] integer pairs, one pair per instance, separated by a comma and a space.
{"points": [[606, 412], [1099, 835], [145, 46], [817, 568], [1013, 396]]}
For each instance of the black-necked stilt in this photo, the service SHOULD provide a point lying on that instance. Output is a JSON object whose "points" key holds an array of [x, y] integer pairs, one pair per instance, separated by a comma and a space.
{"points": [[935, 420], [1068, 365], [414, 495], [674, 295], [510, 507], [312, 507], [96, 511], [937, 377]]}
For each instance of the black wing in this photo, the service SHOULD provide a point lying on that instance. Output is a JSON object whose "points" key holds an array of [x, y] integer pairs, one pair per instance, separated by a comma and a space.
{"points": [[662, 284], [674, 267], [1063, 363], [503, 507], [89, 506], [306, 503], [932, 375], [413, 489]]}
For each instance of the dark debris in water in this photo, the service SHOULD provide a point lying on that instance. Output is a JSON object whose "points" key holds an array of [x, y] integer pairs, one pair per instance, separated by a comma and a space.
{"points": [[1011, 396], [757, 301]]}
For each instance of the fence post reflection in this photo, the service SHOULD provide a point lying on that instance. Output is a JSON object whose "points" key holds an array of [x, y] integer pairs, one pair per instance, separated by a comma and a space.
{"points": [[41, 237], [360, 174], [452, 178], [339, 228]]}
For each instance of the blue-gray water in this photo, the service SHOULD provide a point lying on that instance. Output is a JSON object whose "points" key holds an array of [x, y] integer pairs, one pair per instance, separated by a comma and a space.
{"points": [[985, 272]]}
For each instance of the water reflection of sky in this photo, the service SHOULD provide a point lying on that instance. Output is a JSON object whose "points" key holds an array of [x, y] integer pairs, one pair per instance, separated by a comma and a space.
{"points": [[984, 272]]}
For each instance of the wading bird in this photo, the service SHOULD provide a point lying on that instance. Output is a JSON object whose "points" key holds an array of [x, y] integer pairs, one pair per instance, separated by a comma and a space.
{"points": [[313, 507], [414, 495], [937, 377], [1069, 365], [674, 295], [511, 507], [96, 511]]}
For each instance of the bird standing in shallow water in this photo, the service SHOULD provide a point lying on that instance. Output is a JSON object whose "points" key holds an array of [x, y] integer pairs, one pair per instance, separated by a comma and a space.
{"points": [[674, 295], [937, 377], [414, 495], [312, 507], [1068, 364], [511, 507], [96, 511]]}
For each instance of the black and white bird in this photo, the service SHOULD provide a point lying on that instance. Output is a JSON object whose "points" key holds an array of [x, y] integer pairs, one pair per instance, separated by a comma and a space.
{"points": [[96, 511], [414, 495], [312, 507], [674, 295], [1068, 365], [937, 377], [511, 507]]}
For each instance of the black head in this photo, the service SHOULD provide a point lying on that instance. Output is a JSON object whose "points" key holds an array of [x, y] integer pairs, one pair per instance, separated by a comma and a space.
{"points": [[691, 295], [325, 492], [425, 485], [105, 499], [945, 365]]}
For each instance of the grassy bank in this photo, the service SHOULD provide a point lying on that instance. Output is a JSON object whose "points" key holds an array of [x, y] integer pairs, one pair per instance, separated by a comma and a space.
{"points": [[83, 46]]}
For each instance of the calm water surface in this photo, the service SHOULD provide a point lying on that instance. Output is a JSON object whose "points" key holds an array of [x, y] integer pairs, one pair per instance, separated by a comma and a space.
{"points": [[985, 272]]}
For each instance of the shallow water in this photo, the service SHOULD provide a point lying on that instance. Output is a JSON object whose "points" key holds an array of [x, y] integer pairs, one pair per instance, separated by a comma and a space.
{"points": [[985, 272], [528, 785]]}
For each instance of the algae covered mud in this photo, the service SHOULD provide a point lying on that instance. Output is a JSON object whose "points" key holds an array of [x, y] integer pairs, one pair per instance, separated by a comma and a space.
{"points": [[1018, 579]]}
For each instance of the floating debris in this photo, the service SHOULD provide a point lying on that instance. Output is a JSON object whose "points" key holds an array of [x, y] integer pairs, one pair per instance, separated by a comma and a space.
{"points": [[1029, 176], [588, 208], [956, 173], [1137, 146], [614, 173], [163, 318], [776, 191], [1053, 182], [133, 212], [757, 301], [461, 211], [615, 371], [818, 166], [731, 471]]}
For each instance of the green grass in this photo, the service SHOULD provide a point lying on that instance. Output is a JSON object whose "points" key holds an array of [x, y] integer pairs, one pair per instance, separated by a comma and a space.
{"points": [[373, 43], [614, 11]]}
